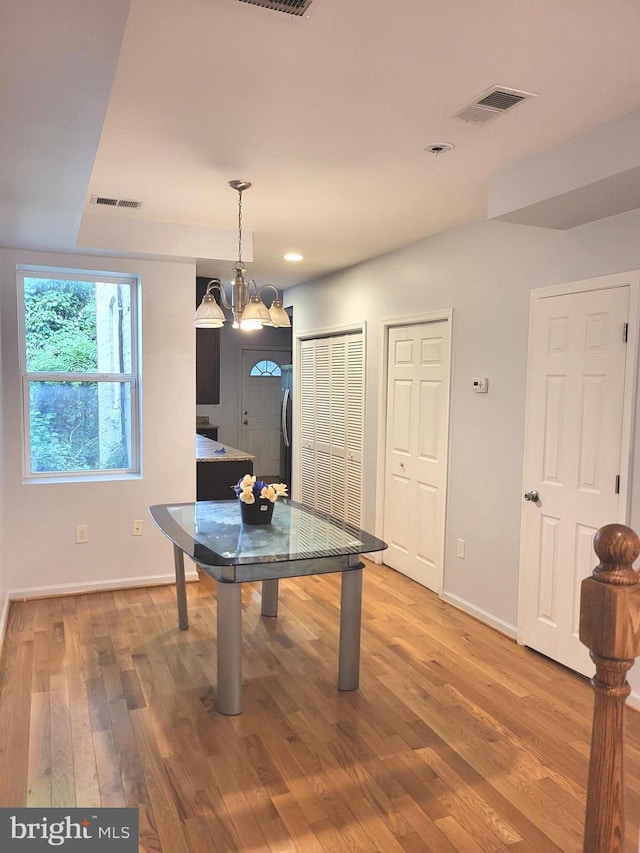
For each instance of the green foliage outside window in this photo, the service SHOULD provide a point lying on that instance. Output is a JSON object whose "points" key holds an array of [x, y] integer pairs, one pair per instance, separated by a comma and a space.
{"points": [[60, 325]]}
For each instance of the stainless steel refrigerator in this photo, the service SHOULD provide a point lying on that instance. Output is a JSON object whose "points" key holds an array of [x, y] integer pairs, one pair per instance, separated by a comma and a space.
{"points": [[286, 424]]}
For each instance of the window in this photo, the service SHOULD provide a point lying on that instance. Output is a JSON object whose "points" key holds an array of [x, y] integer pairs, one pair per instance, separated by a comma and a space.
{"points": [[80, 379], [265, 368]]}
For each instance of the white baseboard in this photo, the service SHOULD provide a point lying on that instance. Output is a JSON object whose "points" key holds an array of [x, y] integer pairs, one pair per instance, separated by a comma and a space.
{"points": [[191, 574], [4, 620], [634, 700], [481, 615]]}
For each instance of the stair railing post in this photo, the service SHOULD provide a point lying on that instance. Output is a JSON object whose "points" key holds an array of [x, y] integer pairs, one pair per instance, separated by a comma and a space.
{"points": [[609, 627]]}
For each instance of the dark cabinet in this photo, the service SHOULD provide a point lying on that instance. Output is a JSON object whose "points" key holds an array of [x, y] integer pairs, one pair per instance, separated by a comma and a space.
{"points": [[208, 431], [215, 480], [207, 357]]}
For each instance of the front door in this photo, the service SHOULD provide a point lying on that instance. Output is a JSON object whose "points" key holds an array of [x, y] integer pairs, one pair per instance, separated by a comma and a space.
{"points": [[261, 408], [416, 450], [574, 469]]}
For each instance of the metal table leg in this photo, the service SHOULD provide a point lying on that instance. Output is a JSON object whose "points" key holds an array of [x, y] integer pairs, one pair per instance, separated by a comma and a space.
{"points": [[229, 642], [181, 588], [269, 598], [350, 618]]}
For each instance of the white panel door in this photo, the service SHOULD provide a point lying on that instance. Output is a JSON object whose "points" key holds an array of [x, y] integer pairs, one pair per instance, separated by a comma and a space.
{"points": [[573, 440], [416, 450], [261, 427]]}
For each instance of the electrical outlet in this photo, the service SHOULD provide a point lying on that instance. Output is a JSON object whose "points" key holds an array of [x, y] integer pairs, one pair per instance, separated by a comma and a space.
{"points": [[82, 534], [460, 549], [137, 528]]}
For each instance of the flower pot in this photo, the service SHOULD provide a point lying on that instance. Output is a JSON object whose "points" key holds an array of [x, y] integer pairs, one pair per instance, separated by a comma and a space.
{"points": [[259, 512]]}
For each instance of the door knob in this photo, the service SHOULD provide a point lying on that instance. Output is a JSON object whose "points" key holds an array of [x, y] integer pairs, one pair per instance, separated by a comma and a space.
{"points": [[532, 496], [245, 422]]}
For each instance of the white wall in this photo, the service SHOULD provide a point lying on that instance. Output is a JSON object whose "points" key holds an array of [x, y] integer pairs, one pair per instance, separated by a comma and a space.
{"points": [[39, 519], [484, 271]]}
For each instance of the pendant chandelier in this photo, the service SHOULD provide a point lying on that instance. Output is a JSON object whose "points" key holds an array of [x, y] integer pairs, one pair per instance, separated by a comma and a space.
{"points": [[249, 312]]}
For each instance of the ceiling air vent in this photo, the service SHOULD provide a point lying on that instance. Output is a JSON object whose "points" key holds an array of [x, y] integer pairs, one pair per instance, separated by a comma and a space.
{"points": [[115, 202], [491, 104], [290, 7]]}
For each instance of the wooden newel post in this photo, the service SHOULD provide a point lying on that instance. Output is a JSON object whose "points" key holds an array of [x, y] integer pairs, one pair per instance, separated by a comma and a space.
{"points": [[609, 627]]}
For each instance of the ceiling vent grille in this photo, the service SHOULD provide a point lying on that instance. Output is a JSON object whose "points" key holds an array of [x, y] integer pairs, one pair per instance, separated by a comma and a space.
{"points": [[115, 202], [289, 7], [491, 104]]}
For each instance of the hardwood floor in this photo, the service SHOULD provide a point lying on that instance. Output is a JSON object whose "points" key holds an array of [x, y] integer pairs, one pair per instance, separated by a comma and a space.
{"points": [[458, 739]]}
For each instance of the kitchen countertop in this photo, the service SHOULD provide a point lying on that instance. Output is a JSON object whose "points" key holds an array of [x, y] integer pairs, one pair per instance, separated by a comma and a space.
{"points": [[208, 450]]}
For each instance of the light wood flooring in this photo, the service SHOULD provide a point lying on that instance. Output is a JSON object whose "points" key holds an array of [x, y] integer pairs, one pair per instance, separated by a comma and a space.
{"points": [[457, 739]]}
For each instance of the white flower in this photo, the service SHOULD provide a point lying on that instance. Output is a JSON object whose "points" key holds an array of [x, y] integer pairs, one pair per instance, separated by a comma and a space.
{"points": [[249, 489], [270, 493]]}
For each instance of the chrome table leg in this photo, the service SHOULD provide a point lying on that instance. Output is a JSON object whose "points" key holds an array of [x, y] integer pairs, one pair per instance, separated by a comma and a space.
{"points": [[229, 651], [181, 588], [270, 597], [350, 618]]}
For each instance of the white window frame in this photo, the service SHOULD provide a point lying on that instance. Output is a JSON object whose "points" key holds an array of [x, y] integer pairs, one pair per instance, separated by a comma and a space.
{"points": [[132, 379]]}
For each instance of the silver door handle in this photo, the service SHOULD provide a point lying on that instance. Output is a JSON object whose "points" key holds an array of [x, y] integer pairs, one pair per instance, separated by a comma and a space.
{"points": [[285, 434], [247, 422], [532, 496]]}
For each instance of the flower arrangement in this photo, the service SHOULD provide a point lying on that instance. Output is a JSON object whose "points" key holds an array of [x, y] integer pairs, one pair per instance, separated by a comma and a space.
{"points": [[248, 489]]}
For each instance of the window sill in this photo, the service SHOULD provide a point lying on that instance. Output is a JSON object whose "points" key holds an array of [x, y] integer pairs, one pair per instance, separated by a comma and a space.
{"points": [[79, 478]]}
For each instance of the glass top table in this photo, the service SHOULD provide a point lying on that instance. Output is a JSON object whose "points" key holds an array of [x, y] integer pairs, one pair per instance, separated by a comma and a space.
{"points": [[299, 541]]}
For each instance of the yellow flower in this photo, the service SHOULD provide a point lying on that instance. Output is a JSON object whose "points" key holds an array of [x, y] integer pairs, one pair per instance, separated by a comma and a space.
{"points": [[280, 489], [247, 496], [247, 482]]}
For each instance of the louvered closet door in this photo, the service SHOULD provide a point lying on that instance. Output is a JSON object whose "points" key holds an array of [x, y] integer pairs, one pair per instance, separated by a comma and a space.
{"points": [[322, 390], [338, 429], [308, 422], [332, 389], [355, 428]]}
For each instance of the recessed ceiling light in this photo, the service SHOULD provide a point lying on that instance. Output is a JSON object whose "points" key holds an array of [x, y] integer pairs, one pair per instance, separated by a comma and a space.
{"points": [[439, 148], [293, 256]]}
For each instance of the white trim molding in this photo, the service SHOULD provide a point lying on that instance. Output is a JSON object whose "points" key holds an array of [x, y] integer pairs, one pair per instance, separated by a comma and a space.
{"points": [[191, 574], [4, 622], [481, 615]]}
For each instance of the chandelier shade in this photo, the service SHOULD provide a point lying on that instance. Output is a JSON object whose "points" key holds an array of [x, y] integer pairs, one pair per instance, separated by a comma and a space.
{"points": [[248, 312], [209, 314]]}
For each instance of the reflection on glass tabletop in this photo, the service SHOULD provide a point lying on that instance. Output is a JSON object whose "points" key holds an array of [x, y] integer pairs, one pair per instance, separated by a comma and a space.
{"points": [[212, 533]]}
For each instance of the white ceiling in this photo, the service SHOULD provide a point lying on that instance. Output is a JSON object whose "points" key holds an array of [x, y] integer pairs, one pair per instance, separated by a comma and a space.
{"points": [[327, 115]]}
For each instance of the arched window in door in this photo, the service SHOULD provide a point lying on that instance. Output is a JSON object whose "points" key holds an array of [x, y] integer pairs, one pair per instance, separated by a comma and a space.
{"points": [[265, 367]]}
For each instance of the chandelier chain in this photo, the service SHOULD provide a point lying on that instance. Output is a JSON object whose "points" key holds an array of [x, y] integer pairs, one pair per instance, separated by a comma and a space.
{"points": [[240, 228], [248, 312]]}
